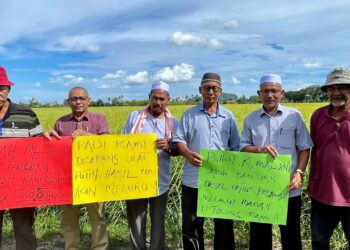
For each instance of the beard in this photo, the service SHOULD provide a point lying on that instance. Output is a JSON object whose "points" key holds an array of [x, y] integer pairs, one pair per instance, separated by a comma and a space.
{"points": [[156, 111], [339, 102]]}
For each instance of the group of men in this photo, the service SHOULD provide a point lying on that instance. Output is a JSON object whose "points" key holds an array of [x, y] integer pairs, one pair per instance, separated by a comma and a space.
{"points": [[274, 129]]}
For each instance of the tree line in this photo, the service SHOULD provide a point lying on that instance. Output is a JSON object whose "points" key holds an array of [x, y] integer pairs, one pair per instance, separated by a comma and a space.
{"points": [[309, 94]]}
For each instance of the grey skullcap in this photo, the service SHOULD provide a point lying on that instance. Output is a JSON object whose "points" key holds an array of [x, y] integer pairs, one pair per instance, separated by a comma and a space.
{"points": [[337, 76], [210, 77]]}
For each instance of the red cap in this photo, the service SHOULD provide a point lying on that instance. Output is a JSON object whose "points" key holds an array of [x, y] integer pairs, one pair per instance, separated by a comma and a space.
{"points": [[4, 81]]}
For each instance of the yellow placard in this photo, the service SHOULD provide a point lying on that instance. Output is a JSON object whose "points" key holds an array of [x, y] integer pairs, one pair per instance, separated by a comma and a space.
{"points": [[114, 167]]}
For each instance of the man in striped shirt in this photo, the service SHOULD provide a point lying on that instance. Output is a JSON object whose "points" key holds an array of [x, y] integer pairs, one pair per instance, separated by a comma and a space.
{"points": [[18, 121]]}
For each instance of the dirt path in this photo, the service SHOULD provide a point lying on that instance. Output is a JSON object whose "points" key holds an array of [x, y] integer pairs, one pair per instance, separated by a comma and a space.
{"points": [[56, 243]]}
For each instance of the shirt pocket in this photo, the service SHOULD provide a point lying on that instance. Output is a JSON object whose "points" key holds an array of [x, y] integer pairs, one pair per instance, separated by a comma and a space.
{"points": [[286, 138]]}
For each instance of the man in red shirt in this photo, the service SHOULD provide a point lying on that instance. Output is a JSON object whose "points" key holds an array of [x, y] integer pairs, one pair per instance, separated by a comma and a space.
{"points": [[329, 183], [79, 123]]}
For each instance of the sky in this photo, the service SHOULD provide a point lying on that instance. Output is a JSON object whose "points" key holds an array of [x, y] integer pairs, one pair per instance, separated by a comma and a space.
{"points": [[118, 48]]}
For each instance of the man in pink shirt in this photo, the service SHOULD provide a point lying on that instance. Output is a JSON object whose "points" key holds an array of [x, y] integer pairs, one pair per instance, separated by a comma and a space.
{"points": [[79, 123], [329, 183]]}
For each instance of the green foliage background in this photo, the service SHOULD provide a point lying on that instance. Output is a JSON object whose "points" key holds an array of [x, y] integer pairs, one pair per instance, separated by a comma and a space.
{"points": [[48, 219]]}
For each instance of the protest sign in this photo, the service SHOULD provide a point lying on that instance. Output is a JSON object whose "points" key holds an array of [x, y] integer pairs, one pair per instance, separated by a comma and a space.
{"points": [[114, 167], [244, 186], [35, 172]]}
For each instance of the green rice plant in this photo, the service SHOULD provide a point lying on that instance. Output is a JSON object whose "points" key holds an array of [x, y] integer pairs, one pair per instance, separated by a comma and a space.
{"points": [[173, 219]]}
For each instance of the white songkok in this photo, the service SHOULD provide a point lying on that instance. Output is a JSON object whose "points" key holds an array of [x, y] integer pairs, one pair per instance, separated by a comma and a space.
{"points": [[271, 78], [160, 85]]}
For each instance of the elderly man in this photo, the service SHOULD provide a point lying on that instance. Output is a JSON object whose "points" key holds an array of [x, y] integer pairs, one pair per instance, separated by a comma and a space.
{"points": [[18, 121], [205, 126], [81, 122], [329, 183], [154, 118], [275, 129]]}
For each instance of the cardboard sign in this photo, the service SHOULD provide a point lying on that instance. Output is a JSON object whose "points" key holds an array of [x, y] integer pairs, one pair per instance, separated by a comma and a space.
{"points": [[244, 186], [114, 167], [35, 172]]}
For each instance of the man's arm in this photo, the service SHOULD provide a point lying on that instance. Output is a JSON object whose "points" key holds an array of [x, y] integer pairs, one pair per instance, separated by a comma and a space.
{"points": [[247, 142], [234, 140], [194, 158], [51, 132], [48, 133], [269, 149], [297, 178]]}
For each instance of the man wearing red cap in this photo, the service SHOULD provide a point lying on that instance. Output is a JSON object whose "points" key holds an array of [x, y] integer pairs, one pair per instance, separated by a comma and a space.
{"points": [[18, 121]]}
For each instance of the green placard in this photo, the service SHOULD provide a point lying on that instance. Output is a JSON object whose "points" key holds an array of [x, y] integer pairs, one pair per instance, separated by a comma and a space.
{"points": [[244, 186]]}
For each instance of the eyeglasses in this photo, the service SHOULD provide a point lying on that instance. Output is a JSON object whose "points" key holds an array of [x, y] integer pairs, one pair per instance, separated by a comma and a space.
{"points": [[272, 91], [80, 98], [207, 88]]}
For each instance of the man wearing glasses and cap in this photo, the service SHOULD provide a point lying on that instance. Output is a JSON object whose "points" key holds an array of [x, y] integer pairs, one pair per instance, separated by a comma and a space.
{"points": [[18, 121], [329, 182], [275, 129], [81, 122], [154, 118], [205, 126]]}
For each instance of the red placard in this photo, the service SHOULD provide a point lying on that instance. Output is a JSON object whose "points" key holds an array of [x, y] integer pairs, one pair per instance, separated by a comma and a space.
{"points": [[35, 172]]}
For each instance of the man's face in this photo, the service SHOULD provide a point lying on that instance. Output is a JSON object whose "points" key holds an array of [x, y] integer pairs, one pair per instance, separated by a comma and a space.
{"points": [[271, 95], [78, 100], [158, 101], [339, 95], [210, 91], [4, 91]]}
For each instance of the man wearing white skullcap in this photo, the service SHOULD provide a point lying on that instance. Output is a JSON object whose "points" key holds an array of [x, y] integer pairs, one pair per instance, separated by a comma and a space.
{"points": [[275, 129], [154, 118]]}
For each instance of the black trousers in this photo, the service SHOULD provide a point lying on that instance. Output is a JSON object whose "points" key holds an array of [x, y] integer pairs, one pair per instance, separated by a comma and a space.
{"points": [[261, 234], [192, 226], [324, 219], [23, 224]]}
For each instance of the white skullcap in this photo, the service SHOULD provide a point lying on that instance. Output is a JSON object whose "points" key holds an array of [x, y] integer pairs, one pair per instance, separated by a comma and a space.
{"points": [[271, 78], [160, 85]]}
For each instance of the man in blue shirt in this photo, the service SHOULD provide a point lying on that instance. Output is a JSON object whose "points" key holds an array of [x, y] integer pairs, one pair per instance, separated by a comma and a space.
{"points": [[154, 118], [275, 129], [205, 126]]}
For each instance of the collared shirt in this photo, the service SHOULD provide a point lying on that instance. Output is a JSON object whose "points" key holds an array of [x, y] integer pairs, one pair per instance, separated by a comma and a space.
{"points": [[285, 130], [330, 158], [91, 122], [200, 130], [155, 125], [19, 121]]}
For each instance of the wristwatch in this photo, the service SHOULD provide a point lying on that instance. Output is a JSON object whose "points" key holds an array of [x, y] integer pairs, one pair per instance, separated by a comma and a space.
{"points": [[170, 148], [300, 172]]}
